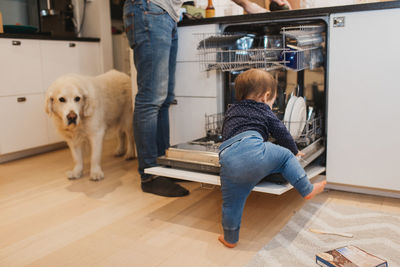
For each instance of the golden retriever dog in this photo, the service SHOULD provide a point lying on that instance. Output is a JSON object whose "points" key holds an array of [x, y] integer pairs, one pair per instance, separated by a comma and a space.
{"points": [[84, 108]]}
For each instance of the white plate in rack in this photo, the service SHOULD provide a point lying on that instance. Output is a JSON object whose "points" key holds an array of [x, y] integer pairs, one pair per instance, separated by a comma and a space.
{"points": [[289, 108], [295, 116]]}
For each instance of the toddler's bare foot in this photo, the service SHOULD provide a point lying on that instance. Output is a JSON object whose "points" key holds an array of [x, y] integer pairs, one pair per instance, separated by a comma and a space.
{"points": [[318, 188], [222, 240]]}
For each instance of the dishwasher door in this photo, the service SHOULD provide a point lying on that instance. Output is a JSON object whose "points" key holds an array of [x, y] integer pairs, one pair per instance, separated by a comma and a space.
{"points": [[204, 167], [266, 187]]}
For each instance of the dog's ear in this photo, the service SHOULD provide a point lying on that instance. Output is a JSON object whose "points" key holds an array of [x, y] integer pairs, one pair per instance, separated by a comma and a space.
{"points": [[88, 105], [49, 104]]}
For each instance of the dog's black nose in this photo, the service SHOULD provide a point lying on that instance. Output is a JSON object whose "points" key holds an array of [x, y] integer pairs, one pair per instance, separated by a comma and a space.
{"points": [[71, 117]]}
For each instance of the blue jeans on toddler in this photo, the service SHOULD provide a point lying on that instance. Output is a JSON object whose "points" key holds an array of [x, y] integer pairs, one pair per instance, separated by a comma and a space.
{"points": [[152, 34], [245, 160]]}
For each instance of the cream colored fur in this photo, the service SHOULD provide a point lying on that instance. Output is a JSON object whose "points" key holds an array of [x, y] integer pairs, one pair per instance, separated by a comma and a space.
{"points": [[97, 104]]}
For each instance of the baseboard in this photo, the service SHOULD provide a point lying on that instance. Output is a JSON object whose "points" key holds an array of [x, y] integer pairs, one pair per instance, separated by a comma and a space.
{"points": [[31, 152], [363, 190]]}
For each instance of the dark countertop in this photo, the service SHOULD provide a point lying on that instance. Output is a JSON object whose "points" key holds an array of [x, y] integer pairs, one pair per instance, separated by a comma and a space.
{"points": [[297, 13], [47, 37]]}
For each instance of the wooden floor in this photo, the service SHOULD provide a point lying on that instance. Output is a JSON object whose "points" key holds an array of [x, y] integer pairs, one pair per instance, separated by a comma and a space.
{"points": [[47, 220]]}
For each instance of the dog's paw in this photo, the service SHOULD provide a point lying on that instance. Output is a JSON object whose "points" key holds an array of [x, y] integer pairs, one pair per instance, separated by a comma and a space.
{"points": [[96, 175], [74, 174]]}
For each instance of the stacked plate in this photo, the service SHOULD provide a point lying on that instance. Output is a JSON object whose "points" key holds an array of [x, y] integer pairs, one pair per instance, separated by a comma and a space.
{"points": [[295, 116]]}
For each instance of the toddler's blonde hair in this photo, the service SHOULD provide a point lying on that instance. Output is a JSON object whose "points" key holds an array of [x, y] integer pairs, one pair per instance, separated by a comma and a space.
{"points": [[254, 83]]}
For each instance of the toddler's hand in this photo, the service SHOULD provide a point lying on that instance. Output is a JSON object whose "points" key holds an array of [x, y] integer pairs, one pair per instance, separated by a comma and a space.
{"points": [[300, 154]]}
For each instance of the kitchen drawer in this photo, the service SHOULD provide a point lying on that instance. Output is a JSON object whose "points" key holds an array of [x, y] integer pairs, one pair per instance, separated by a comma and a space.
{"points": [[23, 122], [20, 67], [187, 118], [271, 188], [189, 38], [63, 57], [190, 81]]}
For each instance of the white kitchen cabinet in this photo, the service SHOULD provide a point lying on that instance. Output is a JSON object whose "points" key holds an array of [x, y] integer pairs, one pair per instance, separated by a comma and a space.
{"points": [[89, 58], [363, 141], [190, 81], [189, 38], [20, 67], [196, 91], [23, 122], [187, 118], [58, 58], [63, 57]]}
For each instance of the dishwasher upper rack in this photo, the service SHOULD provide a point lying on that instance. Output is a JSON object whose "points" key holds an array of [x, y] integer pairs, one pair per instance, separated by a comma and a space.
{"points": [[235, 51], [239, 51], [304, 46]]}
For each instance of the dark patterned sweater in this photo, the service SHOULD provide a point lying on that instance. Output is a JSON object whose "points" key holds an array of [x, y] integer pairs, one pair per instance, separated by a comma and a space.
{"points": [[250, 115]]}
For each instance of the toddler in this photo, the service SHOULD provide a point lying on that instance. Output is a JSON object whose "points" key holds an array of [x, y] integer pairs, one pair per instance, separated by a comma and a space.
{"points": [[246, 156]]}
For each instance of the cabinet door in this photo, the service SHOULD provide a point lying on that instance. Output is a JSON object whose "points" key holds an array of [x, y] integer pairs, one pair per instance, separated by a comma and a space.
{"points": [[58, 58], [63, 57], [89, 58], [187, 118], [363, 141], [23, 122], [190, 81], [20, 66], [189, 38]]}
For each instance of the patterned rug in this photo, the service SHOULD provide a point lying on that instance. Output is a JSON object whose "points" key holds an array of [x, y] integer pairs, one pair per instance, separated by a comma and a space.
{"points": [[375, 232]]}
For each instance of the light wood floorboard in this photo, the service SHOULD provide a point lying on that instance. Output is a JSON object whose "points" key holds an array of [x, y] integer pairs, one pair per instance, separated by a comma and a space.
{"points": [[48, 220]]}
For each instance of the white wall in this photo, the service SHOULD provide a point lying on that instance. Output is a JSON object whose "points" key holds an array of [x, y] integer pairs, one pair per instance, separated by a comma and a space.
{"points": [[324, 3], [97, 23], [222, 7]]}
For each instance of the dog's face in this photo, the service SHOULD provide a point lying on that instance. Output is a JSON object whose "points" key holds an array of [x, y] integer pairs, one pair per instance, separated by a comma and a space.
{"points": [[68, 100]]}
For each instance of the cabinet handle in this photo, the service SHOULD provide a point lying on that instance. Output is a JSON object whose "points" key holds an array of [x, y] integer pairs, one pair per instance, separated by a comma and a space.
{"points": [[16, 42], [72, 44], [21, 99]]}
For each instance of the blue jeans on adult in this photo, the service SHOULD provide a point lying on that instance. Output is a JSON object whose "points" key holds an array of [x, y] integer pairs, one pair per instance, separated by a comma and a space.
{"points": [[152, 34], [245, 160]]}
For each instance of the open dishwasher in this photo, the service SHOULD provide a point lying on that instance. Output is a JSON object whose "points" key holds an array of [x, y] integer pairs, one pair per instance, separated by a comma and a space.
{"points": [[294, 52]]}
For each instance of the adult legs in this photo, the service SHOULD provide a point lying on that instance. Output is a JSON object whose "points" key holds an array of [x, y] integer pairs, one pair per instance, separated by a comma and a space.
{"points": [[163, 115], [154, 44]]}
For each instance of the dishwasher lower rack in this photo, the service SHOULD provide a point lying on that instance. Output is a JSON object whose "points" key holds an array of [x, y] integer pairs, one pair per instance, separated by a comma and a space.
{"points": [[311, 131]]}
